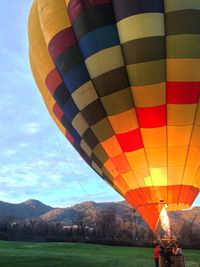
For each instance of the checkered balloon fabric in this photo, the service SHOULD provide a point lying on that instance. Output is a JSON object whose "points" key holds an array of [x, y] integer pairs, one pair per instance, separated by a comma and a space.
{"points": [[121, 79]]}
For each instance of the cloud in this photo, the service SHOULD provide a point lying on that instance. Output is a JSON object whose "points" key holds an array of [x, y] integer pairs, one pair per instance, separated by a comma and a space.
{"points": [[52, 178], [23, 145], [46, 173], [31, 128], [10, 152]]}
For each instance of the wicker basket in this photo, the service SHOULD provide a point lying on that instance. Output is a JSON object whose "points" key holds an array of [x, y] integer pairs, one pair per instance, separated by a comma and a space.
{"points": [[176, 261]]}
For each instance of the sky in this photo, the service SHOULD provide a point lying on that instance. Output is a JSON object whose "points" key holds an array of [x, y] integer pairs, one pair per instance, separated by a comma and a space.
{"points": [[36, 161]]}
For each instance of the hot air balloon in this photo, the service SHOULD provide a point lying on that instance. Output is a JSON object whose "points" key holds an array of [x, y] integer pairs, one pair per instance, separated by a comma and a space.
{"points": [[121, 79]]}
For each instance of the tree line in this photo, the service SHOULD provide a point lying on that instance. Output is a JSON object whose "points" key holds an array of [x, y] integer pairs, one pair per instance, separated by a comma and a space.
{"points": [[101, 226]]}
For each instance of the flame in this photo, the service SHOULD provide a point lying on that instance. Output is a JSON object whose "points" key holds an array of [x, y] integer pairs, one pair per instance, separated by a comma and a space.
{"points": [[164, 219]]}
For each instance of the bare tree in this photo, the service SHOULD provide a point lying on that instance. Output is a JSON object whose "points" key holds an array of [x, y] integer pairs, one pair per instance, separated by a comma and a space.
{"points": [[105, 223]]}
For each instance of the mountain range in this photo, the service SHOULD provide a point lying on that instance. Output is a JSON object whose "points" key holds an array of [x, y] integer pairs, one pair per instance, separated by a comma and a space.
{"points": [[28, 209], [36, 209]]}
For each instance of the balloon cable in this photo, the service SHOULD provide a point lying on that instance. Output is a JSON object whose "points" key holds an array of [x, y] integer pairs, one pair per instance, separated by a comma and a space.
{"points": [[67, 160]]}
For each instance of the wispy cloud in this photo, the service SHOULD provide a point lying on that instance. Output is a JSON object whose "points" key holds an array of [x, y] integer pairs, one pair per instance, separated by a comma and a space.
{"points": [[54, 179], [10, 152], [31, 127]]}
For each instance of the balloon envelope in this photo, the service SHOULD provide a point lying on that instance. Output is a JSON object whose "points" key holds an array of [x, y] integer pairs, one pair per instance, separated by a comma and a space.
{"points": [[121, 79]]}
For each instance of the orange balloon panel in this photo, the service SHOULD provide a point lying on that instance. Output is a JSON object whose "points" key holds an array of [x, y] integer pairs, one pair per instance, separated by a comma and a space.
{"points": [[122, 81]]}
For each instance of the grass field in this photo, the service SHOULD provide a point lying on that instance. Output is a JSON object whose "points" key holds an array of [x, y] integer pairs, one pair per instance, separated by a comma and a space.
{"points": [[16, 254]]}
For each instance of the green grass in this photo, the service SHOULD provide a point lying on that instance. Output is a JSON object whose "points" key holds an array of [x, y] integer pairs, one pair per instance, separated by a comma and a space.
{"points": [[19, 254]]}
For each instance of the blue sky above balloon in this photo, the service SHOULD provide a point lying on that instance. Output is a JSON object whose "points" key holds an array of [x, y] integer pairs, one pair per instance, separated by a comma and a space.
{"points": [[36, 161]]}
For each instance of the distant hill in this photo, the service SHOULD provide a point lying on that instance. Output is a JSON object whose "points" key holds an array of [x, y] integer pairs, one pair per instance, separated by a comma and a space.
{"points": [[186, 215], [28, 209], [68, 215]]}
